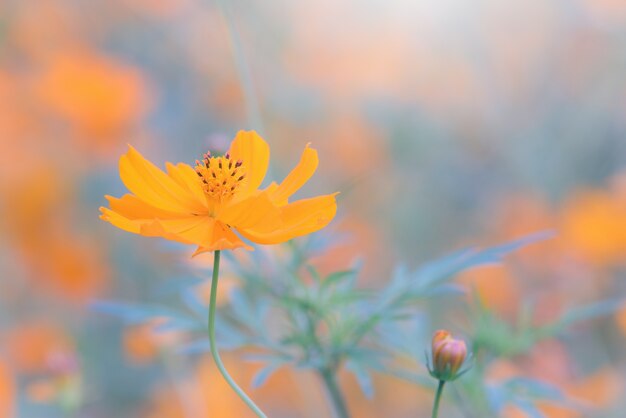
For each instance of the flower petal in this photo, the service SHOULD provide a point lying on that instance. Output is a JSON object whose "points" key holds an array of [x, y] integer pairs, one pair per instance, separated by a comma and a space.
{"points": [[119, 221], [251, 212], [205, 232], [297, 177], [132, 207], [151, 184], [183, 230], [299, 218], [187, 178], [254, 152], [223, 239], [192, 229]]}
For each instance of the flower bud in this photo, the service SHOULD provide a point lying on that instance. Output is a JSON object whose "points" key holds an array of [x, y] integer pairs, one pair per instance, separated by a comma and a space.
{"points": [[448, 355], [439, 336]]}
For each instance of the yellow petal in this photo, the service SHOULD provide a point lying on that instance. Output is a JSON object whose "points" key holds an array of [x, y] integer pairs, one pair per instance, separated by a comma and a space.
{"points": [[223, 239], [254, 152], [151, 184], [203, 231], [187, 178], [179, 229], [297, 177], [119, 221], [132, 207], [271, 188], [299, 218], [250, 212], [193, 230]]}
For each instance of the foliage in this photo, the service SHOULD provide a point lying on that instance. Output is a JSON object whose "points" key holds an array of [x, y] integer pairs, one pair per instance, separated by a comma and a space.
{"points": [[286, 314]]}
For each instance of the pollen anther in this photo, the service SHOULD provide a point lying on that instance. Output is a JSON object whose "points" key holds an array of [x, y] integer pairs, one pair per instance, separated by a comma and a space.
{"points": [[221, 176]]}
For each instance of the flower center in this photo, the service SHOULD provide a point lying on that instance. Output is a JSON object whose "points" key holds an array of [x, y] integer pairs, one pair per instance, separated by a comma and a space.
{"points": [[220, 176]]}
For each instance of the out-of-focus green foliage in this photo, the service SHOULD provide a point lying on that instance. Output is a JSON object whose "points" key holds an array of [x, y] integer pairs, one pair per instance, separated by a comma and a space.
{"points": [[285, 314]]}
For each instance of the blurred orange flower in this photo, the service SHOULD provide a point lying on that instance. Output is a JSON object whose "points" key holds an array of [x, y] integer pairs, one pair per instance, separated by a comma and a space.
{"points": [[74, 267], [202, 206], [37, 222], [550, 362], [197, 396], [97, 95], [143, 343], [495, 286], [594, 224], [7, 392], [139, 344], [599, 390], [365, 242], [30, 345], [62, 384]]}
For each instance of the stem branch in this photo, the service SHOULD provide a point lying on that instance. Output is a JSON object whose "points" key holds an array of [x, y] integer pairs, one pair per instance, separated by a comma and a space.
{"points": [[214, 352]]}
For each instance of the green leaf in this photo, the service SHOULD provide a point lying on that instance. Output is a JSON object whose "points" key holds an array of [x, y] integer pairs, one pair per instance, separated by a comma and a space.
{"points": [[193, 302], [585, 313], [261, 377], [534, 388], [314, 273], [440, 270], [338, 278], [363, 378], [138, 313], [243, 308], [418, 379], [195, 347]]}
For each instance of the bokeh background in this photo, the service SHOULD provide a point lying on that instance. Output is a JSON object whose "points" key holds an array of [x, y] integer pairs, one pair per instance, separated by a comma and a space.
{"points": [[442, 122]]}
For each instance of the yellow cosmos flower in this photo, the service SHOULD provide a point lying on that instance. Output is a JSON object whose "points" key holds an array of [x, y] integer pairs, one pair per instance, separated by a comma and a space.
{"points": [[205, 204]]}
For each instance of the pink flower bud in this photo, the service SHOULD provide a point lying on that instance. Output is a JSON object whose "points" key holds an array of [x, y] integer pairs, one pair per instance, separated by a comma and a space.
{"points": [[448, 355]]}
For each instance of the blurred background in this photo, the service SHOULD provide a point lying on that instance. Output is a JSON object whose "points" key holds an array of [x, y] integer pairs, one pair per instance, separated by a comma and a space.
{"points": [[442, 122]]}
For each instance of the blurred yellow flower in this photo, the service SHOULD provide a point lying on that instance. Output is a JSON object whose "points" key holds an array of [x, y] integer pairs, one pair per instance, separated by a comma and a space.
{"points": [[203, 205]]}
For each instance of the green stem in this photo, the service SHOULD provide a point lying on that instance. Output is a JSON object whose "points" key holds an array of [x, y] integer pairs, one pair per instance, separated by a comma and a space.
{"points": [[214, 352], [339, 404], [438, 398]]}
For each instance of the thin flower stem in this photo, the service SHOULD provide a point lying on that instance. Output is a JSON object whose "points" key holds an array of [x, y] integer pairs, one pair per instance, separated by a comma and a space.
{"points": [[214, 352], [438, 398], [339, 404]]}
